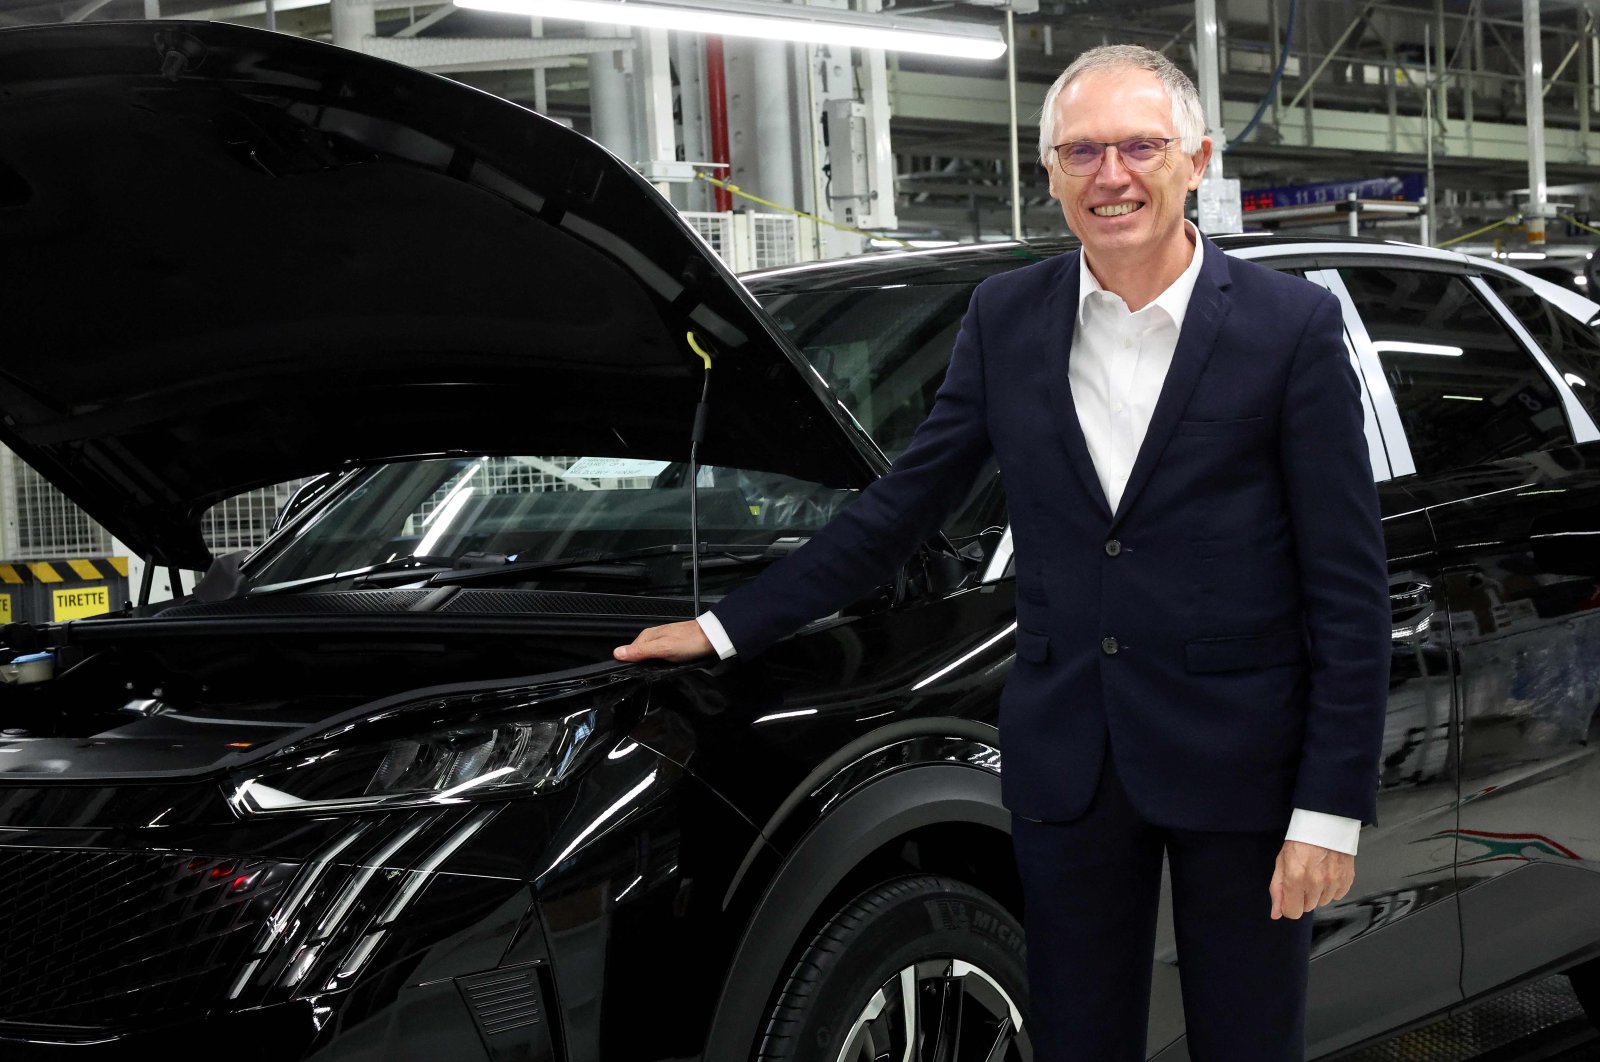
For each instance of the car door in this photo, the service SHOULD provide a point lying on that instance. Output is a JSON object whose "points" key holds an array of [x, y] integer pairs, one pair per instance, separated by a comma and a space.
{"points": [[1389, 952], [1503, 466]]}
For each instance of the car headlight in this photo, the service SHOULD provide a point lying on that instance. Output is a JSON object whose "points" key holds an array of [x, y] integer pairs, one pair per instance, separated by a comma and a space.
{"points": [[474, 761]]}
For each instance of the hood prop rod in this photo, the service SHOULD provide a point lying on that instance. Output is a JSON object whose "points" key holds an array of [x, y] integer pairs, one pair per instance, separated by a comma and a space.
{"points": [[696, 434]]}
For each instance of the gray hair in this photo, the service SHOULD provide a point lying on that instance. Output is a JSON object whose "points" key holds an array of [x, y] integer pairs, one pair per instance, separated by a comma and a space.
{"points": [[1188, 117]]}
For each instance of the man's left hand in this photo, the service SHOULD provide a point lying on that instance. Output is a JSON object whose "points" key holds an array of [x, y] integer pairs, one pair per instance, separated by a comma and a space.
{"points": [[1307, 877]]}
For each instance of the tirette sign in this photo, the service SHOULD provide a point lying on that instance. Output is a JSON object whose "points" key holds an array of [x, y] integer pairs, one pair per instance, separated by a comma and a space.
{"points": [[61, 589], [80, 602]]}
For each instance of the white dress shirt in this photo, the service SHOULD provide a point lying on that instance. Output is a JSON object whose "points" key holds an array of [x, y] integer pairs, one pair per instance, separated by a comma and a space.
{"points": [[1118, 363]]}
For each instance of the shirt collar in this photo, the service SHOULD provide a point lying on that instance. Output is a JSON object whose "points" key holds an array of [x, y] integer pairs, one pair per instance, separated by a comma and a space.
{"points": [[1174, 301]]}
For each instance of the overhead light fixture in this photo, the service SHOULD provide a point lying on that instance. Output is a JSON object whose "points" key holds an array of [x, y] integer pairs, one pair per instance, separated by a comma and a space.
{"points": [[771, 21]]}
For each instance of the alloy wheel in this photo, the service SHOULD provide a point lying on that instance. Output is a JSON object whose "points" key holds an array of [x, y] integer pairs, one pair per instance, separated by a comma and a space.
{"points": [[938, 1010]]}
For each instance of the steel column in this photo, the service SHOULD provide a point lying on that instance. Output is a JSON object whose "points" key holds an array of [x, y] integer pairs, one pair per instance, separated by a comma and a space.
{"points": [[1016, 154], [689, 56], [1205, 28], [541, 84], [1275, 35], [1533, 77], [717, 115], [1441, 85], [656, 137], [773, 146], [1585, 74], [352, 22], [1474, 64], [610, 108]]}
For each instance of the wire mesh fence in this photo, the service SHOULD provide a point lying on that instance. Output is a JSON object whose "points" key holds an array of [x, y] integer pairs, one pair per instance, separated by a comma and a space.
{"points": [[41, 522], [245, 520]]}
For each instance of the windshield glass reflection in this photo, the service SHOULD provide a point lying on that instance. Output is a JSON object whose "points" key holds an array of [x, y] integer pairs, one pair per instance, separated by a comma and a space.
{"points": [[407, 521]]}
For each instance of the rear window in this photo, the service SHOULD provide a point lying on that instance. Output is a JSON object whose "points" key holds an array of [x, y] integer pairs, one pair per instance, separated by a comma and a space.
{"points": [[1468, 392], [1573, 346]]}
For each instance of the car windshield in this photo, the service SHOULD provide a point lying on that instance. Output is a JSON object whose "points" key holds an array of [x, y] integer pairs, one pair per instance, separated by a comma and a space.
{"points": [[410, 520]]}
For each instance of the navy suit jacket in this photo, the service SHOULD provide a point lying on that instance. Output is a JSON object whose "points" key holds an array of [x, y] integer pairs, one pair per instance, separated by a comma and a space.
{"points": [[1246, 588]]}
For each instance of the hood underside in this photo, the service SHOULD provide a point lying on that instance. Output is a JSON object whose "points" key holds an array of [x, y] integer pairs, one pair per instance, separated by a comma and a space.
{"points": [[236, 257]]}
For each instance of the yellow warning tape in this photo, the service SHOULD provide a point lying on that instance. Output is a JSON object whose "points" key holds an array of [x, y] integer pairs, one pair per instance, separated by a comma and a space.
{"points": [[43, 572], [1479, 232], [84, 570], [63, 569], [742, 194], [1581, 225]]}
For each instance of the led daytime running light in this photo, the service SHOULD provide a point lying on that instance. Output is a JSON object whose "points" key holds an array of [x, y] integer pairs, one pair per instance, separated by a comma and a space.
{"points": [[479, 762]]}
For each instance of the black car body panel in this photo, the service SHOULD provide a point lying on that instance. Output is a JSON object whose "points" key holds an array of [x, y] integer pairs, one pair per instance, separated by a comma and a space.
{"points": [[204, 835]]}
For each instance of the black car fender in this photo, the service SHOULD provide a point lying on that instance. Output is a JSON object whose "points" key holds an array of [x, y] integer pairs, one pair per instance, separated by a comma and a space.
{"points": [[860, 807]]}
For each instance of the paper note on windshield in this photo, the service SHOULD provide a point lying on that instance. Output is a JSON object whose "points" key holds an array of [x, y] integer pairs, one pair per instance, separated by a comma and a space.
{"points": [[614, 468]]}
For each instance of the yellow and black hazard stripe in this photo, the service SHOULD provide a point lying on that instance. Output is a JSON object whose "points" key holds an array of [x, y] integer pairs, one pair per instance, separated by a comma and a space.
{"points": [[67, 570]]}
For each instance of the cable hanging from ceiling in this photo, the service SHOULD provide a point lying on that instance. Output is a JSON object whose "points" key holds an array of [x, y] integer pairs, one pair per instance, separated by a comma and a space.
{"points": [[1277, 77]]}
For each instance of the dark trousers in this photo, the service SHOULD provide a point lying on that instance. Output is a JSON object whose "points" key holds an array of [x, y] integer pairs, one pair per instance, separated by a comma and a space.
{"points": [[1091, 888]]}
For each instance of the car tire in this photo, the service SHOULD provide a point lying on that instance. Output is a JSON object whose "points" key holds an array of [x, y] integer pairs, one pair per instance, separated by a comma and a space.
{"points": [[922, 948], [1585, 980]]}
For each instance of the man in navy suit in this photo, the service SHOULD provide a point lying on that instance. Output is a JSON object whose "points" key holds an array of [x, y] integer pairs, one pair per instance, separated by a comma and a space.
{"points": [[1203, 630]]}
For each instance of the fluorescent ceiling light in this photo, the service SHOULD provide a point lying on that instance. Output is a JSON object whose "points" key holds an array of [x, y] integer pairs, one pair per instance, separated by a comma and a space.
{"points": [[1527, 256], [772, 21]]}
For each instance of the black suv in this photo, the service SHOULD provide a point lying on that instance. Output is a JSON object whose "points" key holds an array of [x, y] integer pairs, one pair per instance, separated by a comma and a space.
{"points": [[376, 791]]}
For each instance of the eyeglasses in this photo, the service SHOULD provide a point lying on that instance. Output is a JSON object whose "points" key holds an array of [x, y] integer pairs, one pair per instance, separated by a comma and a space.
{"points": [[1141, 154]]}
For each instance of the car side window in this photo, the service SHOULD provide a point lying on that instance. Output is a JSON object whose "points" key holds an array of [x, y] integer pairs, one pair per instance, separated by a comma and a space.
{"points": [[1467, 391], [1572, 345]]}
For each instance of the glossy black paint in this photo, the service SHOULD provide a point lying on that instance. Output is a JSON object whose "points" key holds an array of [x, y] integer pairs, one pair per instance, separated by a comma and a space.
{"points": [[746, 799], [647, 909], [1522, 588]]}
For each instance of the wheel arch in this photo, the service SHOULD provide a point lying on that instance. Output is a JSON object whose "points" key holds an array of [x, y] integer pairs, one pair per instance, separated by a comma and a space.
{"points": [[947, 812]]}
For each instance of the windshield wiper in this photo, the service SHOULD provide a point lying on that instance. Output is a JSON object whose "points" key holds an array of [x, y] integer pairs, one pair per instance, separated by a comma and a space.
{"points": [[621, 564], [422, 566]]}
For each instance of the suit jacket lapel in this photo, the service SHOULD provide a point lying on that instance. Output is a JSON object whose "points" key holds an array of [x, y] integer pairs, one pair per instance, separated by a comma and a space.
{"points": [[1061, 318], [1208, 305]]}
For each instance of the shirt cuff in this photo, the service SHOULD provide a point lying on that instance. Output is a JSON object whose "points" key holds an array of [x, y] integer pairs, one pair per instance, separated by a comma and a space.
{"points": [[1323, 830], [712, 628]]}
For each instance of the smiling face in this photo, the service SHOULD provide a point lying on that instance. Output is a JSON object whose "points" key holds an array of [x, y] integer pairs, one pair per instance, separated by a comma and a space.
{"points": [[1120, 215]]}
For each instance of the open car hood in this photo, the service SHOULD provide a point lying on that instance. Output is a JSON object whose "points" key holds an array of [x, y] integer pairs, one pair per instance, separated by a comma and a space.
{"points": [[234, 257]]}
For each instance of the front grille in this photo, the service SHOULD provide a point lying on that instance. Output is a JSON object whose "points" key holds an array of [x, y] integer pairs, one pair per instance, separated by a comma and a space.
{"points": [[117, 939]]}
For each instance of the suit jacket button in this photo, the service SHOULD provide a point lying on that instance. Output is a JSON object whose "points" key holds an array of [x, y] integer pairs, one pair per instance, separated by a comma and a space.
{"points": [[1109, 646], [1113, 547]]}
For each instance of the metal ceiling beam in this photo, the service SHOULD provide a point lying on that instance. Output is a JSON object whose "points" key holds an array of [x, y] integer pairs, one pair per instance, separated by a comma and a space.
{"points": [[434, 17], [1355, 24], [229, 12], [458, 54], [86, 10]]}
